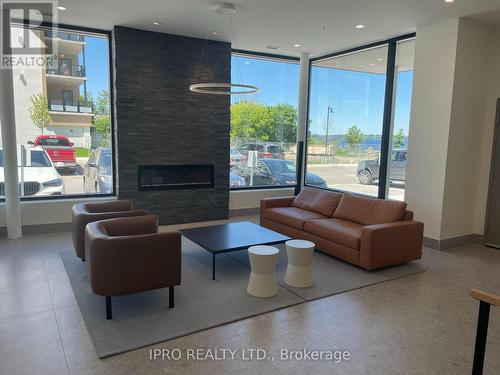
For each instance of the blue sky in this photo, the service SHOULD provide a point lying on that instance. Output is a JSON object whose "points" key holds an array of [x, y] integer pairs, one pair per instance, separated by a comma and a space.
{"points": [[278, 82], [96, 59], [357, 98]]}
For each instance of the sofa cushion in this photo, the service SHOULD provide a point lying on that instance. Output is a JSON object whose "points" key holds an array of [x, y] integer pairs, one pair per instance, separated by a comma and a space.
{"points": [[317, 200], [291, 216], [340, 231], [368, 211]]}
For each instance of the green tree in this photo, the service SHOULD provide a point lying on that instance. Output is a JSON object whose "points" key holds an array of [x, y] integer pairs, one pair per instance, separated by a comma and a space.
{"points": [[89, 97], [39, 111], [354, 136], [398, 140], [266, 123], [284, 118], [102, 119], [251, 120], [101, 103], [102, 124]]}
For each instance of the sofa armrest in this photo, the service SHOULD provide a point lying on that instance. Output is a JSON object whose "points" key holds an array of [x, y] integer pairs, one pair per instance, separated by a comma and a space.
{"points": [[383, 245], [276, 202], [273, 203]]}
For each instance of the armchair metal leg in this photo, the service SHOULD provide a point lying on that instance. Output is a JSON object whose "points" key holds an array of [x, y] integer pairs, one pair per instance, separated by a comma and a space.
{"points": [[481, 335], [170, 296], [109, 310]]}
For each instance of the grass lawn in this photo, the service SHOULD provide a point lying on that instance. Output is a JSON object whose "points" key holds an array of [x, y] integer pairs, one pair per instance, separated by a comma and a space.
{"points": [[82, 152]]}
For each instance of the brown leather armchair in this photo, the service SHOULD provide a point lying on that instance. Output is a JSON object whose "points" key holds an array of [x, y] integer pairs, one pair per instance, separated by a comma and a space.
{"points": [[128, 255], [85, 213]]}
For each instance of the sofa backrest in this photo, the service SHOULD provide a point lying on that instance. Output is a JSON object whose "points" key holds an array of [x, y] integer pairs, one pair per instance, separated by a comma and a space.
{"points": [[368, 211], [317, 200]]}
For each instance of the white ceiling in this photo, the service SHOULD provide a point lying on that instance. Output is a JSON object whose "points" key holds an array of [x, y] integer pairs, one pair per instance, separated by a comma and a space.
{"points": [[281, 23], [373, 60]]}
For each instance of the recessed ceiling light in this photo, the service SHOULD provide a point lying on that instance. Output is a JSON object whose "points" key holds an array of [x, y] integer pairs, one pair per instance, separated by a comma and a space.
{"points": [[157, 23], [380, 59], [296, 45], [372, 64], [61, 8], [360, 26], [324, 28], [449, 1], [225, 9], [215, 33]]}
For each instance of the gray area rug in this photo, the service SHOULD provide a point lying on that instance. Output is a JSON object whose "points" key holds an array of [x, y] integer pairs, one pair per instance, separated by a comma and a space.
{"points": [[333, 276], [143, 319]]}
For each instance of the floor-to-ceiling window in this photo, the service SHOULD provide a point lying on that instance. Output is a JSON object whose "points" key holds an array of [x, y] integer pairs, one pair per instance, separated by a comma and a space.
{"points": [[349, 113], [264, 125], [403, 80], [63, 115], [345, 119]]}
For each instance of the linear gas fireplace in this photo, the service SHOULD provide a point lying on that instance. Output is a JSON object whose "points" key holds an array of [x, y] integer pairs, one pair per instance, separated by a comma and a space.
{"points": [[173, 177]]}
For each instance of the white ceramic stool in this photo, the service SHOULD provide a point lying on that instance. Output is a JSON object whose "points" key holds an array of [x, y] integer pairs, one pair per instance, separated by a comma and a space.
{"points": [[299, 271], [262, 282]]}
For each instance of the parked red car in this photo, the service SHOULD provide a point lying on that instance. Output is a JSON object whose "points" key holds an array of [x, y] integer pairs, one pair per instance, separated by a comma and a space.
{"points": [[60, 150]]}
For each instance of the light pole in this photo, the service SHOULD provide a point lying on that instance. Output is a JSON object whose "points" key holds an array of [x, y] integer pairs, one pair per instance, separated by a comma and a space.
{"points": [[330, 110]]}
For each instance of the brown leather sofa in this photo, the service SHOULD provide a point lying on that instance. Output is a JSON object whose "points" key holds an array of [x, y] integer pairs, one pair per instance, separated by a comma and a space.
{"points": [[370, 233], [129, 255], [85, 213]]}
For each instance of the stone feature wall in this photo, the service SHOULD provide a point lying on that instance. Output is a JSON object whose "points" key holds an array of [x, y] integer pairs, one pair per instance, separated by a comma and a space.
{"points": [[160, 122]]}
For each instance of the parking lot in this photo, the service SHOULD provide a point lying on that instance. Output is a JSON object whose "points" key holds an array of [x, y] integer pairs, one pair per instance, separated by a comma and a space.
{"points": [[343, 177], [73, 183]]}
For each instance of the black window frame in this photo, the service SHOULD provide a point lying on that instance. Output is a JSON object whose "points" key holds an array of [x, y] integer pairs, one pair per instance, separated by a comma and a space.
{"points": [[269, 57], [388, 109], [103, 33]]}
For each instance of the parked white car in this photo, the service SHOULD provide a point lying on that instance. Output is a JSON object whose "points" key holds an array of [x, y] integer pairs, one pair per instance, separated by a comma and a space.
{"points": [[38, 173]]}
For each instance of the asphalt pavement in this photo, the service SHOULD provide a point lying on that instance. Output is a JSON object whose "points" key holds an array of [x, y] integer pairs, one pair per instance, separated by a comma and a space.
{"points": [[73, 183], [344, 177]]}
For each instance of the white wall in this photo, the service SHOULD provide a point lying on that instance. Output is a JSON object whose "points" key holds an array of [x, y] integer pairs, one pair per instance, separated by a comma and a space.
{"points": [[434, 68], [472, 74], [456, 83], [47, 212], [485, 151], [251, 198]]}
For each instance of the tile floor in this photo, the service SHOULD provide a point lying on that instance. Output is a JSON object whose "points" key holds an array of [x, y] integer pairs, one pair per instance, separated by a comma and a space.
{"points": [[422, 324]]}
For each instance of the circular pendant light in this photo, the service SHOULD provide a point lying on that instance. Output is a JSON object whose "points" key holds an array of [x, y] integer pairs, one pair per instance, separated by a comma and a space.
{"points": [[216, 88]]}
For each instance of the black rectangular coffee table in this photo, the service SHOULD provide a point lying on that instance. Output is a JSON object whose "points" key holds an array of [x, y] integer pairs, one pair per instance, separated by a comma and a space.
{"points": [[225, 238]]}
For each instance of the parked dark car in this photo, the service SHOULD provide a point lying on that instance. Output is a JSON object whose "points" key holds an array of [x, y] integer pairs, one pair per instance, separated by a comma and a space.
{"points": [[265, 150], [98, 172], [276, 172], [235, 180], [368, 170]]}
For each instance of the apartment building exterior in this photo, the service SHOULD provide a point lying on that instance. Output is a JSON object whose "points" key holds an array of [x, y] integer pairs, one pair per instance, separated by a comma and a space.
{"points": [[63, 83]]}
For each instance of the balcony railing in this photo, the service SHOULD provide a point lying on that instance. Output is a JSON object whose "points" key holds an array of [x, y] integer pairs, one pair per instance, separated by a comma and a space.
{"points": [[68, 71], [66, 36], [56, 105]]}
